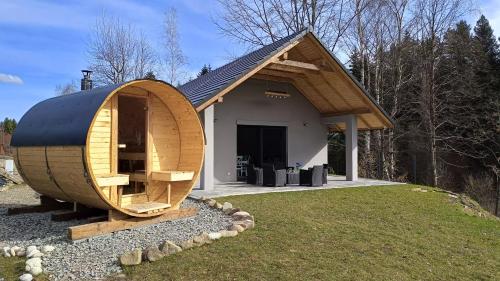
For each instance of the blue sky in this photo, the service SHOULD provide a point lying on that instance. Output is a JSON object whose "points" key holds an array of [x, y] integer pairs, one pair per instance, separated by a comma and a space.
{"points": [[43, 43]]}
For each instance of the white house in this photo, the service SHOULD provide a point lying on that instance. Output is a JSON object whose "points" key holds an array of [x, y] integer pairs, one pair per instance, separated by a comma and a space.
{"points": [[277, 104]]}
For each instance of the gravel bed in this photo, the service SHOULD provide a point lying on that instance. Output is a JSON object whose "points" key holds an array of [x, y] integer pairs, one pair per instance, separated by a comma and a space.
{"points": [[96, 257]]}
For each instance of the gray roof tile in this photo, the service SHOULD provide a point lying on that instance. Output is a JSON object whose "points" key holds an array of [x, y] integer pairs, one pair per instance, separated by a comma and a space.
{"points": [[206, 86]]}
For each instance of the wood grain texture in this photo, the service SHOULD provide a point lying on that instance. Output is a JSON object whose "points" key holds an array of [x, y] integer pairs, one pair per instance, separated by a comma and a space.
{"points": [[100, 228]]}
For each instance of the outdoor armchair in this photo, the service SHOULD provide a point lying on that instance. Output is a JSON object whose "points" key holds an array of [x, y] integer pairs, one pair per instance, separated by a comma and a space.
{"points": [[312, 176], [272, 176], [255, 175]]}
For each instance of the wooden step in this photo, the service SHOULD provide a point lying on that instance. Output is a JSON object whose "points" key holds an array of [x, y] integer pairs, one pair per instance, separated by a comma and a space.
{"points": [[172, 175], [146, 207], [112, 180]]}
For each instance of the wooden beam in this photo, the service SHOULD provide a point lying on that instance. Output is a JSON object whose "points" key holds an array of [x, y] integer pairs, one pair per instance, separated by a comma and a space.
{"points": [[322, 75], [353, 84], [100, 228], [246, 76], [293, 66], [298, 64], [340, 113]]}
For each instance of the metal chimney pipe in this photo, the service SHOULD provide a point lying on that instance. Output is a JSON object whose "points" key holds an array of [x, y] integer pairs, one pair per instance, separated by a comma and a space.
{"points": [[86, 82]]}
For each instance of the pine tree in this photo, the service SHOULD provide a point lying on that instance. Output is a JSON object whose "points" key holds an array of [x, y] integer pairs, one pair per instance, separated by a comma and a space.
{"points": [[355, 65], [204, 70], [487, 95], [484, 36], [150, 75], [8, 125]]}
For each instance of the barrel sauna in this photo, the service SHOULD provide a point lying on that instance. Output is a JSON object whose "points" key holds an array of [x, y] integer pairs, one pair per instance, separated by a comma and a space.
{"points": [[136, 148]]}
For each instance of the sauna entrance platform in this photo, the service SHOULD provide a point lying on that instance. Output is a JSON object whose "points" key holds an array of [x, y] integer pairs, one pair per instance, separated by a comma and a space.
{"points": [[147, 207]]}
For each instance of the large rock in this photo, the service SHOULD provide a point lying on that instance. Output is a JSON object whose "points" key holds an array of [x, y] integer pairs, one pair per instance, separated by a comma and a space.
{"points": [[31, 250], [226, 206], [187, 244], [35, 271], [47, 249], [14, 250], [26, 277], [231, 211], [211, 202], [236, 227], [202, 239], [238, 216], [246, 224], [218, 206], [228, 233], [214, 235], [21, 253], [6, 252], [33, 263], [131, 258], [169, 248], [153, 254], [34, 254]]}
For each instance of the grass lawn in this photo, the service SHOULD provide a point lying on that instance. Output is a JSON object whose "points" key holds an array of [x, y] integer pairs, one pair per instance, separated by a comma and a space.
{"points": [[374, 233]]}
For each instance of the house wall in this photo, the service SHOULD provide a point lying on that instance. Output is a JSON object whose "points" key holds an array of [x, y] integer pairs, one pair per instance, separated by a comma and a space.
{"points": [[247, 105]]}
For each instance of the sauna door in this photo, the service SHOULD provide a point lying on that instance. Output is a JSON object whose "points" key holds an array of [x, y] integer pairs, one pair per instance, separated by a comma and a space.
{"points": [[132, 128]]}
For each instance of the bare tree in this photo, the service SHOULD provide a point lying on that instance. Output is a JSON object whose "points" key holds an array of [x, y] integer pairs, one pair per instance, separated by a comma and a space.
{"points": [[117, 53], [174, 57], [260, 22], [66, 89], [434, 18]]}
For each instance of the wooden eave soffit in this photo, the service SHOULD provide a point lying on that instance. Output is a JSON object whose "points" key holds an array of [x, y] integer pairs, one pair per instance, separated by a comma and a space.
{"points": [[355, 111]]}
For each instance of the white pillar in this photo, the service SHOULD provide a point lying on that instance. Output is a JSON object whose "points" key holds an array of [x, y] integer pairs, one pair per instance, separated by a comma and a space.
{"points": [[207, 173], [351, 150]]}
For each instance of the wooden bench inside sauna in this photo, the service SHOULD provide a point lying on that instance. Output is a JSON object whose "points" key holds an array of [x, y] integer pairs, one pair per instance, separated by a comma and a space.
{"points": [[134, 148]]}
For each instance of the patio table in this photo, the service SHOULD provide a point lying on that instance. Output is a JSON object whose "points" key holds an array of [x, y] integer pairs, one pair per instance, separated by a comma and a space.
{"points": [[292, 178]]}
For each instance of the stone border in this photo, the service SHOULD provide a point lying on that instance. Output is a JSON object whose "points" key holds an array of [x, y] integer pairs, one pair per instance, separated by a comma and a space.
{"points": [[241, 221], [33, 259]]}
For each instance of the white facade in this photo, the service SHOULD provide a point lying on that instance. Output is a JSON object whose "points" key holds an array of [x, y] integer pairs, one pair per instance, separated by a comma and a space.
{"points": [[248, 105]]}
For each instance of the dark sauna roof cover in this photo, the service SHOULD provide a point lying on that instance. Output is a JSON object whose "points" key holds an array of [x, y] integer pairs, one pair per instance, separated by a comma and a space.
{"points": [[206, 86], [62, 120]]}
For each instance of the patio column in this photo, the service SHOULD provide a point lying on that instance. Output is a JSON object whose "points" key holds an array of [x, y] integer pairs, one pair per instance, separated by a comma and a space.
{"points": [[351, 141], [207, 173], [351, 137]]}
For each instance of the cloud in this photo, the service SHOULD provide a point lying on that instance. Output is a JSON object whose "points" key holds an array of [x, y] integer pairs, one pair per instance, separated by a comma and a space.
{"points": [[8, 78]]}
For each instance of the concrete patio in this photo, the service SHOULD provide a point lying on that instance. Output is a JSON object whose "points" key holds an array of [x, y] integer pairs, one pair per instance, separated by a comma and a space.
{"points": [[241, 188]]}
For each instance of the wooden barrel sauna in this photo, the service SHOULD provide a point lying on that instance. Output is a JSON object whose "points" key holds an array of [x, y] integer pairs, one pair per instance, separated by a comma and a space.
{"points": [[135, 147]]}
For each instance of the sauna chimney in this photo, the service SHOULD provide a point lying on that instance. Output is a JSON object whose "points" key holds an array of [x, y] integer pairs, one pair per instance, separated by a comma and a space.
{"points": [[86, 82]]}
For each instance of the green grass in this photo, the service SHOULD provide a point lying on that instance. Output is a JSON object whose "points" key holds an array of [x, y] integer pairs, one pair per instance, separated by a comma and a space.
{"points": [[375, 233]]}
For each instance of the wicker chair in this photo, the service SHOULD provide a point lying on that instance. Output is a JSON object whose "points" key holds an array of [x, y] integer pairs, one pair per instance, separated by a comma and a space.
{"points": [[325, 173], [255, 175], [272, 176], [312, 176]]}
